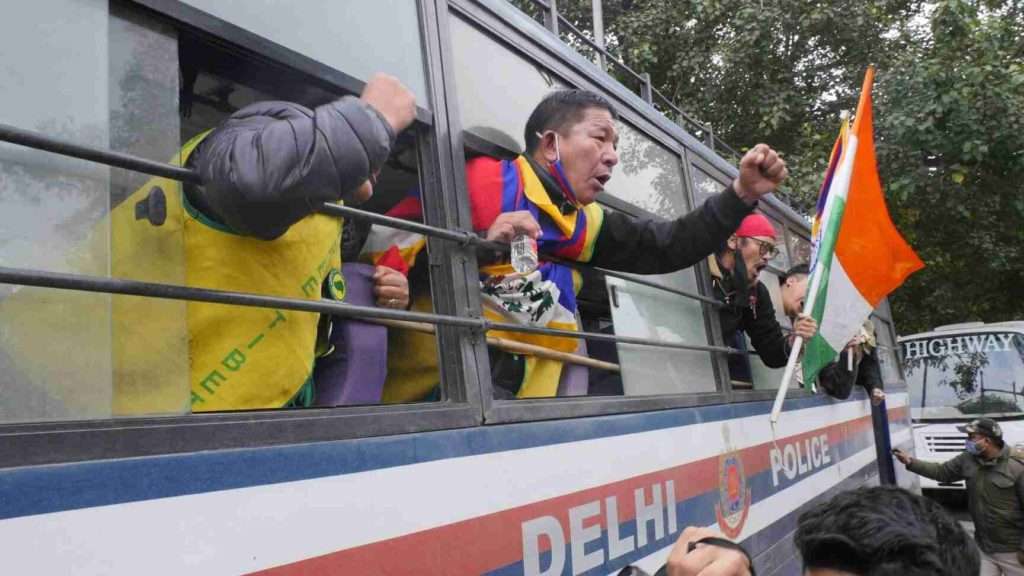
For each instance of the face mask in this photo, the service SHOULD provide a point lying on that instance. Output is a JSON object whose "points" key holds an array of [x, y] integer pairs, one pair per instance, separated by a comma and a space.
{"points": [[973, 448], [558, 172]]}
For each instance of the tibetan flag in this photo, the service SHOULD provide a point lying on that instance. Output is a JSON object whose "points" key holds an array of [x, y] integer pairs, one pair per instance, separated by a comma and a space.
{"points": [[833, 163], [860, 257]]}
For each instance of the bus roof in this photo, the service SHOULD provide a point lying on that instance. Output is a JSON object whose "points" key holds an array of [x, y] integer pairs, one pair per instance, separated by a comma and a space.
{"points": [[1010, 325]]}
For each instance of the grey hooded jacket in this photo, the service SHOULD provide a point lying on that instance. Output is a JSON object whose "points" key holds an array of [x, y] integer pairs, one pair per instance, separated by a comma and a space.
{"points": [[273, 163]]}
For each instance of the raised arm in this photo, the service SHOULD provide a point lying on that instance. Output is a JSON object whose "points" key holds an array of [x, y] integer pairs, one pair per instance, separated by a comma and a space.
{"points": [[948, 471], [273, 163], [649, 246]]}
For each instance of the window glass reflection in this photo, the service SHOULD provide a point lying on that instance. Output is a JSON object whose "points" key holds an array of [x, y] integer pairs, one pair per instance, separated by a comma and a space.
{"points": [[648, 175], [118, 89], [704, 185], [497, 89], [780, 261], [799, 248], [355, 37], [646, 312]]}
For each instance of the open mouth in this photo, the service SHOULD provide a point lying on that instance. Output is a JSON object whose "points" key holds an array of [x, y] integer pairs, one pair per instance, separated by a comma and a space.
{"points": [[603, 179]]}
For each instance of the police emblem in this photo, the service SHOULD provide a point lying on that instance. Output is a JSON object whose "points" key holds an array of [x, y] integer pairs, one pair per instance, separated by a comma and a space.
{"points": [[733, 492]]}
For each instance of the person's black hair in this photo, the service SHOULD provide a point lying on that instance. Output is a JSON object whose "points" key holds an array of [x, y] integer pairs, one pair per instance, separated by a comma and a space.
{"points": [[559, 109], [885, 531], [796, 270]]}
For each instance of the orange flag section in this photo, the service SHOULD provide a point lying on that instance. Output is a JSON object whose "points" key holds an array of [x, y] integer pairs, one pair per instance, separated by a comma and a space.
{"points": [[872, 252]]}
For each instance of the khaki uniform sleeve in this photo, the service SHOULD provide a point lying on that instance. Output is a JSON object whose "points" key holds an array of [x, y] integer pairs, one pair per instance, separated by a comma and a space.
{"points": [[948, 471]]}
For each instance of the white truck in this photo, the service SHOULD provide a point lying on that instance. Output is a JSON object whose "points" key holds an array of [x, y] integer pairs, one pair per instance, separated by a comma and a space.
{"points": [[960, 372]]}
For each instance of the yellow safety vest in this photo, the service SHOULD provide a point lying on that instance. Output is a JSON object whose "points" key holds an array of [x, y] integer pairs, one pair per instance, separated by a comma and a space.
{"points": [[238, 357]]}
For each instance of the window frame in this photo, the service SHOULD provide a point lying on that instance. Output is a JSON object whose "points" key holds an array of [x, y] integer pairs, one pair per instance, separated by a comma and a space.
{"points": [[723, 172], [507, 26], [37, 443], [260, 48], [901, 384], [467, 399]]}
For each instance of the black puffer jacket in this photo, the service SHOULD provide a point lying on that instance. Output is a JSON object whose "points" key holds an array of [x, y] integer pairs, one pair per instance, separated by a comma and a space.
{"points": [[756, 317], [273, 163]]}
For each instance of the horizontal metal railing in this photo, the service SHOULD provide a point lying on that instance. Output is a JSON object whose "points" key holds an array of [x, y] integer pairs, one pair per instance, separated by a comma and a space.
{"points": [[85, 283], [471, 239], [168, 291], [556, 22], [31, 139], [38, 141]]}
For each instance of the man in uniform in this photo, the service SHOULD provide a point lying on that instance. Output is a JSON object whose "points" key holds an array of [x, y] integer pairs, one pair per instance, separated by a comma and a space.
{"points": [[995, 491]]}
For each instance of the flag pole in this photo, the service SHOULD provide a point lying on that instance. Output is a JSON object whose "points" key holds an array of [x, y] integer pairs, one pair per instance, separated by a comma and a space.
{"points": [[780, 396], [812, 295]]}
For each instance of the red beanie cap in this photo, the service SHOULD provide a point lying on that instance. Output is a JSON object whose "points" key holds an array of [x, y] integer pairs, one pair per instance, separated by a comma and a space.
{"points": [[756, 225]]}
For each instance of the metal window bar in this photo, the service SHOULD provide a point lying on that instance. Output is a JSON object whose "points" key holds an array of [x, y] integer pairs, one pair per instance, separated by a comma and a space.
{"points": [[599, 49], [86, 283], [38, 141], [679, 111], [564, 23], [471, 239], [646, 89], [551, 16], [80, 282], [554, 21]]}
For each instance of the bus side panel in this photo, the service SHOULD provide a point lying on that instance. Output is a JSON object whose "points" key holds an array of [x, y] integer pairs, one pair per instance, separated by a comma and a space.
{"points": [[563, 497], [902, 436]]}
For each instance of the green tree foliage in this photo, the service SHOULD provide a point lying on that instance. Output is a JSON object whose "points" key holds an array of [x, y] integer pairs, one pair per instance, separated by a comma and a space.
{"points": [[950, 136], [949, 116]]}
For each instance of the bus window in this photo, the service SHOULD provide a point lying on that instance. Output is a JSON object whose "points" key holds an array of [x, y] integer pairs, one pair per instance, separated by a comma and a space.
{"points": [[765, 378], [646, 312], [495, 108], [888, 361], [367, 362], [747, 370], [497, 89], [704, 185], [648, 175], [379, 36], [153, 88], [780, 261], [965, 374], [117, 89], [799, 248]]}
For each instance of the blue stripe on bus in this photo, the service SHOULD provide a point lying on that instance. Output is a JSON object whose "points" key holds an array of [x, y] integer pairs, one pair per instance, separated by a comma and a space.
{"points": [[52, 488]]}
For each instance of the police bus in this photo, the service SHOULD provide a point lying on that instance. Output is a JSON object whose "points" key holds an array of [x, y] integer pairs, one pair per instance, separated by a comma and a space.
{"points": [[960, 372], [651, 434]]}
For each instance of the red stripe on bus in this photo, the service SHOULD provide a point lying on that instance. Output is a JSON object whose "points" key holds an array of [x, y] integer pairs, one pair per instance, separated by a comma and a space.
{"points": [[487, 542]]}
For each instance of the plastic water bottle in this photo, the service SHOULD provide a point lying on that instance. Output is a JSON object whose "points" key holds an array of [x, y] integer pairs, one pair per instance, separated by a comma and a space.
{"points": [[524, 254]]}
